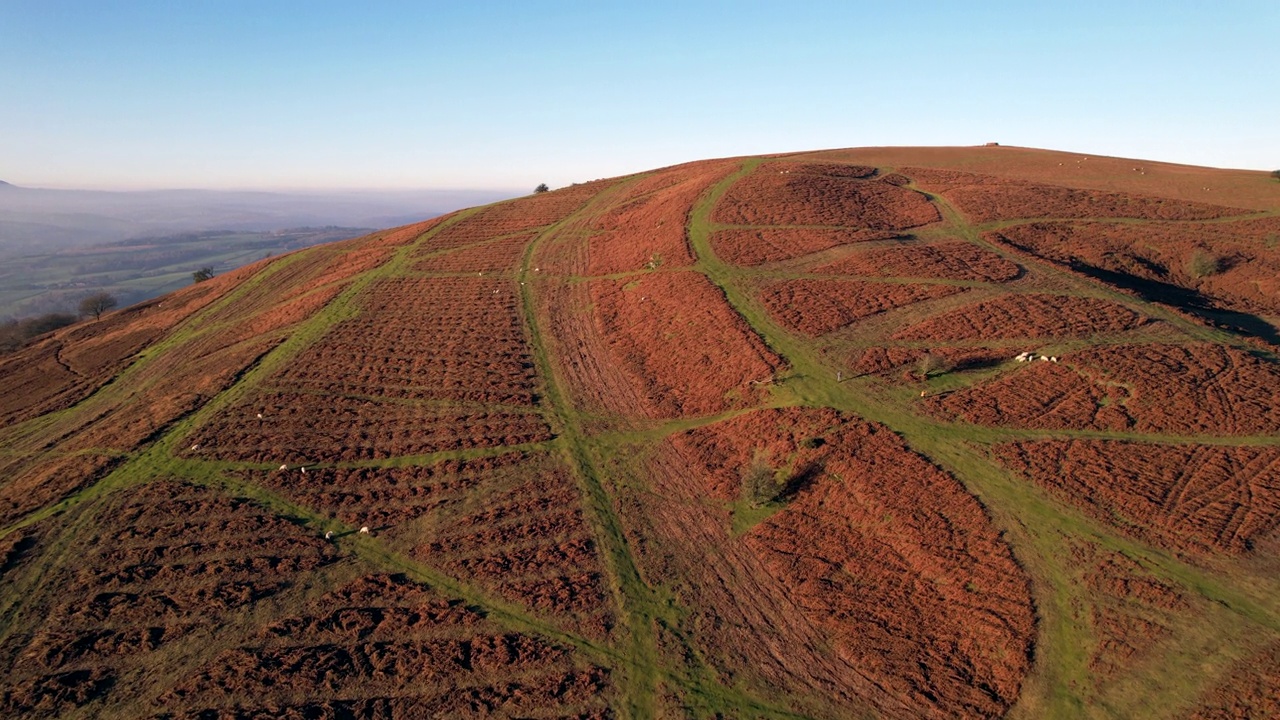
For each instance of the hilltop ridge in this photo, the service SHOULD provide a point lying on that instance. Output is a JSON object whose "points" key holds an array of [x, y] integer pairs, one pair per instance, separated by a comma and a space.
{"points": [[877, 432]]}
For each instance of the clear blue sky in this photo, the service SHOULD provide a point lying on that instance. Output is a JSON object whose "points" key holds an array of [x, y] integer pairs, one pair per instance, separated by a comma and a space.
{"points": [[262, 94]]}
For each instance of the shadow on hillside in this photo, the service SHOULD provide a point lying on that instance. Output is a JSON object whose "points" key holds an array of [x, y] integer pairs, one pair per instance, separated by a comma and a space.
{"points": [[977, 363], [1185, 299], [805, 477]]}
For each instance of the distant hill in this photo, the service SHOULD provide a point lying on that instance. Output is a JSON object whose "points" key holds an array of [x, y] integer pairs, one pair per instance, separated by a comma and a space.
{"points": [[40, 220], [880, 432], [141, 268]]}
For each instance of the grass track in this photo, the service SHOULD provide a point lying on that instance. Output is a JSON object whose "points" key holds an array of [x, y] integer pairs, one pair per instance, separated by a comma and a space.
{"points": [[1059, 686], [643, 608], [1233, 615]]}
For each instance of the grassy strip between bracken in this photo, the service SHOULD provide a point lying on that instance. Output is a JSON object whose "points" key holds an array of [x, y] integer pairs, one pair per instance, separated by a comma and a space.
{"points": [[1034, 523], [153, 462], [640, 607]]}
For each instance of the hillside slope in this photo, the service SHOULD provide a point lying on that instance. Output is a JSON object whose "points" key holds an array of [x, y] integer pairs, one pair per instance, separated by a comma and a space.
{"points": [[752, 437]]}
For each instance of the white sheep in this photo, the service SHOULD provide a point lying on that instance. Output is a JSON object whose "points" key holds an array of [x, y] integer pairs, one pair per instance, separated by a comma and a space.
{"points": [[304, 471], [328, 535], [284, 467], [364, 530], [259, 416], [195, 447]]}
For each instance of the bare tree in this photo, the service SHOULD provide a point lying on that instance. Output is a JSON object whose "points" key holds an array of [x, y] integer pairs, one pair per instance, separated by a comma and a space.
{"points": [[96, 304]]}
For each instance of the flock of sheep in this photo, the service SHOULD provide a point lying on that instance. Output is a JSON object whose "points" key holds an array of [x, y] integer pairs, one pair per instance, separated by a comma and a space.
{"points": [[1029, 356]]}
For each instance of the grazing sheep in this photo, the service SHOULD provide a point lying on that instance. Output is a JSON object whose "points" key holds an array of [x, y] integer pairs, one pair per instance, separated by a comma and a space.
{"points": [[195, 447], [328, 535], [1042, 357], [364, 530], [259, 416], [304, 471], [1053, 359], [284, 467]]}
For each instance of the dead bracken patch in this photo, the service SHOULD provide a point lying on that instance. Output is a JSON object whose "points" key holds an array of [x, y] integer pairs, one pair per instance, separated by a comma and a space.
{"points": [[1201, 498], [684, 350], [828, 195], [1151, 388], [1027, 316], [985, 198], [766, 245], [816, 307], [944, 261], [883, 555]]}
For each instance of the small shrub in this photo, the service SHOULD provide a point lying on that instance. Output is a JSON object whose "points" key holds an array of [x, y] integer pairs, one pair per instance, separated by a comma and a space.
{"points": [[931, 365], [542, 187], [1203, 264], [759, 486]]}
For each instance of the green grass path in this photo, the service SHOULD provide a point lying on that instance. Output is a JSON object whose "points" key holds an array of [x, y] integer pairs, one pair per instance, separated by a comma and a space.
{"points": [[1035, 525]]}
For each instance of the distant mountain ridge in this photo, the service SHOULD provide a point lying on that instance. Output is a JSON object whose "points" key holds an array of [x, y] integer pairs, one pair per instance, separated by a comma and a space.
{"points": [[42, 219]]}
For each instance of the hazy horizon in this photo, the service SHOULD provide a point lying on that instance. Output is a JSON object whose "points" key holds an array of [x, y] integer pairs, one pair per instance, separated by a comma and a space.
{"points": [[506, 191], [281, 190], [274, 96]]}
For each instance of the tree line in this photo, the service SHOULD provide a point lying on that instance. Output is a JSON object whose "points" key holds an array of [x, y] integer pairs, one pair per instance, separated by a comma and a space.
{"points": [[15, 333]]}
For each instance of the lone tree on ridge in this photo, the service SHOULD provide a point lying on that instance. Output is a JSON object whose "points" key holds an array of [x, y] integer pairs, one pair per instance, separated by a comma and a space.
{"points": [[96, 304], [1275, 174], [542, 187], [204, 273]]}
